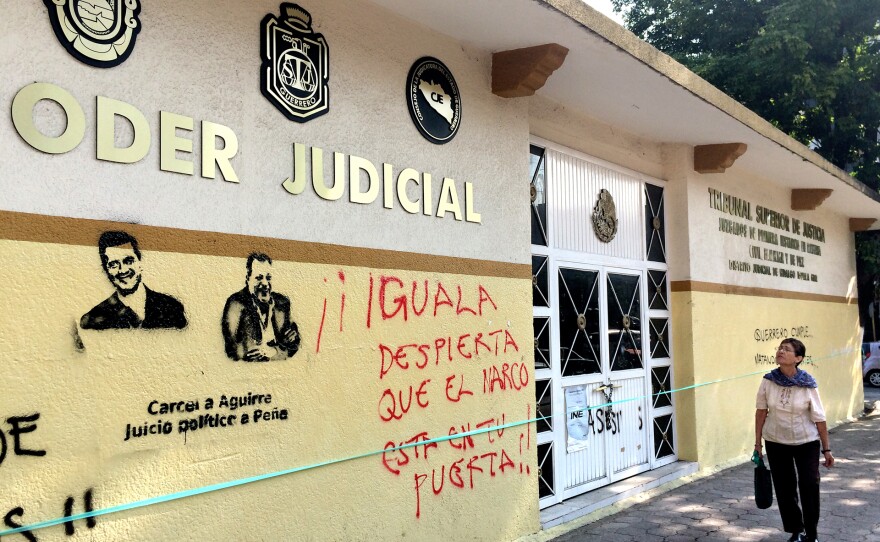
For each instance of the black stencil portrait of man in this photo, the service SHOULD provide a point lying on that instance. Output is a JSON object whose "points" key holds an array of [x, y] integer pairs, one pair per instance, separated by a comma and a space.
{"points": [[133, 305], [257, 325]]}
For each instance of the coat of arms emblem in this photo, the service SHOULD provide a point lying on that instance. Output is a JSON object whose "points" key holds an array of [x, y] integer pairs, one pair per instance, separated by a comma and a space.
{"points": [[605, 217], [295, 69], [100, 33]]}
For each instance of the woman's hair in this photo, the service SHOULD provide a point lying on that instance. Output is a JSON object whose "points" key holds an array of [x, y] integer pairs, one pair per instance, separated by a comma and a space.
{"points": [[799, 349]]}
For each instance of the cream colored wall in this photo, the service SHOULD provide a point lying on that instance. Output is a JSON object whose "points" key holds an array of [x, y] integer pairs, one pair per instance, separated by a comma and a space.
{"points": [[559, 124], [711, 249], [714, 331], [202, 60], [731, 324], [333, 390], [727, 333]]}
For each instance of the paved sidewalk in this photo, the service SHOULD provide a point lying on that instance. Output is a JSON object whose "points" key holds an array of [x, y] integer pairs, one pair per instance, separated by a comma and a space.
{"points": [[722, 506]]}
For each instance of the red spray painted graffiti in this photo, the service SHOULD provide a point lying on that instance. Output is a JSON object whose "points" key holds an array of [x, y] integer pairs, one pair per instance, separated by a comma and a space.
{"points": [[452, 368]]}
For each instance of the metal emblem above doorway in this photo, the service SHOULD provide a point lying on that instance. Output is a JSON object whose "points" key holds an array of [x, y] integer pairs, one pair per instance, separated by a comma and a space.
{"points": [[100, 33], [296, 67], [433, 100], [605, 217]]}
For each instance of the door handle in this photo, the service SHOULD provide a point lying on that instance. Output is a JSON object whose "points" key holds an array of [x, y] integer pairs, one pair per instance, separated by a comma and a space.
{"points": [[607, 387]]}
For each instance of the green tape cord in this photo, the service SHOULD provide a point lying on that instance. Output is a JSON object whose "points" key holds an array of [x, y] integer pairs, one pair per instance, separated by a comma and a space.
{"points": [[249, 480]]}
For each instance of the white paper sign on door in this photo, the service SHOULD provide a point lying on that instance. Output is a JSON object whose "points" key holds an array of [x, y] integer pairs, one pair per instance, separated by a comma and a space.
{"points": [[576, 418]]}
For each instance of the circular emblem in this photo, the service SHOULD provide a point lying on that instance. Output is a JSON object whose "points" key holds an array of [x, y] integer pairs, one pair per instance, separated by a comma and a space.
{"points": [[655, 222], [582, 322], [297, 73], [101, 33], [605, 217], [626, 321], [433, 100], [533, 193]]}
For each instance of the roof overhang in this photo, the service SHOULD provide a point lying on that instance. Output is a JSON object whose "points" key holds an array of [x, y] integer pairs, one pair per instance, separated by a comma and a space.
{"points": [[616, 78]]}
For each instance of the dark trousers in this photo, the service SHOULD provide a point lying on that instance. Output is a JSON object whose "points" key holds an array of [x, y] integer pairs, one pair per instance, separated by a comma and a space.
{"points": [[795, 469]]}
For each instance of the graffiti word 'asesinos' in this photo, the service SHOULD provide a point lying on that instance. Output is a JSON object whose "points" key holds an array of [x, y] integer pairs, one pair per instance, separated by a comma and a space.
{"points": [[412, 188]]}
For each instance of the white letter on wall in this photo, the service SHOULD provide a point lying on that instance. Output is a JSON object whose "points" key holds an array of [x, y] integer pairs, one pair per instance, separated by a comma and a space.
{"points": [[108, 109], [171, 143], [448, 199], [23, 118], [211, 154], [357, 164]]}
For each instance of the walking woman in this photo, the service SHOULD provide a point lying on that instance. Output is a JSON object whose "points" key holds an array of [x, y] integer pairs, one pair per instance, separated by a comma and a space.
{"points": [[791, 420]]}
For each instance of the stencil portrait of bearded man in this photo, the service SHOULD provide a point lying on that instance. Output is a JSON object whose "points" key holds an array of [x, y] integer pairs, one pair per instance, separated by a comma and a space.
{"points": [[256, 324]]}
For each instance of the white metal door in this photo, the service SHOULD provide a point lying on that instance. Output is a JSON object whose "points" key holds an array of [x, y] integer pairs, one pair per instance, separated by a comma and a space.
{"points": [[601, 320]]}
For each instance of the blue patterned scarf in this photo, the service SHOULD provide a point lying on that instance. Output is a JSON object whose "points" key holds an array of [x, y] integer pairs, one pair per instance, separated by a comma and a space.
{"points": [[800, 378]]}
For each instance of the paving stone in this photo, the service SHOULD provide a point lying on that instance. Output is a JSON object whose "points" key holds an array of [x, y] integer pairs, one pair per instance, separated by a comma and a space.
{"points": [[722, 507]]}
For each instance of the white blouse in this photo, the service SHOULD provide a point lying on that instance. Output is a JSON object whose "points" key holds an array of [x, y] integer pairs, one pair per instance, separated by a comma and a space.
{"points": [[792, 412]]}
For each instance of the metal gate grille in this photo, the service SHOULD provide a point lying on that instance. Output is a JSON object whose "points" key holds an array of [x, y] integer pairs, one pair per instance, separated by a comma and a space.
{"points": [[601, 323]]}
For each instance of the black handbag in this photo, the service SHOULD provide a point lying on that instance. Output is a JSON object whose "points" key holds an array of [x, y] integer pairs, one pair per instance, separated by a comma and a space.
{"points": [[763, 485]]}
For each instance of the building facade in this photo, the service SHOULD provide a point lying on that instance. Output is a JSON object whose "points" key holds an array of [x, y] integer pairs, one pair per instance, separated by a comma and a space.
{"points": [[268, 269]]}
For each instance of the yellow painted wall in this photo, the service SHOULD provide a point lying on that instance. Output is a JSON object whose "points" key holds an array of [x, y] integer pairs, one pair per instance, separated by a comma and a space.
{"points": [[723, 336], [86, 397], [197, 60]]}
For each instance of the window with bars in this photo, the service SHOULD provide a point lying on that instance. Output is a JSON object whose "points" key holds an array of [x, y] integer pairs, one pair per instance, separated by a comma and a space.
{"points": [[546, 487], [624, 311], [657, 290], [542, 342], [654, 222], [540, 284], [538, 195], [579, 333]]}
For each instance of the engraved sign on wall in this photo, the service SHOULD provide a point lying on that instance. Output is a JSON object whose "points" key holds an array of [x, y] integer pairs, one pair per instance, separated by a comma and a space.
{"points": [[296, 67], [100, 33], [774, 243]]}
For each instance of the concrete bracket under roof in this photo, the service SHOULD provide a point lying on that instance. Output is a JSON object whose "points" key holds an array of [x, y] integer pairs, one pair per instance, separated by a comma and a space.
{"points": [[860, 224], [520, 72], [619, 81], [808, 199], [717, 158]]}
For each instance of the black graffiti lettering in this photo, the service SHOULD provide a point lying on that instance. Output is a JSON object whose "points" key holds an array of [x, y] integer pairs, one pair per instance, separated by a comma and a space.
{"points": [[69, 529], [18, 430], [612, 421], [607, 420], [19, 425], [12, 524]]}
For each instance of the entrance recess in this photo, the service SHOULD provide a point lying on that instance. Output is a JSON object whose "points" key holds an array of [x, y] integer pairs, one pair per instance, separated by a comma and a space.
{"points": [[601, 321]]}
